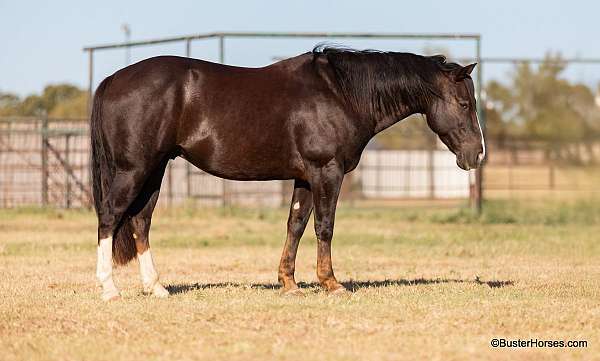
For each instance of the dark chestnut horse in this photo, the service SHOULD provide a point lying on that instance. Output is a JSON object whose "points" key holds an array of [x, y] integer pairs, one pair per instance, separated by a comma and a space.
{"points": [[307, 118]]}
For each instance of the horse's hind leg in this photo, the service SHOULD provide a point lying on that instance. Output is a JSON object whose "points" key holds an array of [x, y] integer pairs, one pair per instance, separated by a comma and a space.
{"points": [[124, 189], [143, 208], [300, 209]]}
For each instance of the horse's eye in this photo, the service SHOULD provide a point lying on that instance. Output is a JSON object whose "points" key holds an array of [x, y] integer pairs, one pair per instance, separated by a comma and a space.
{"points": [[464, 104]]}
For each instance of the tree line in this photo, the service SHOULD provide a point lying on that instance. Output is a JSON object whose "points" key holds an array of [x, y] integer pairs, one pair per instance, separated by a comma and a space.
{"points": [[55, 101], [541, 108]]}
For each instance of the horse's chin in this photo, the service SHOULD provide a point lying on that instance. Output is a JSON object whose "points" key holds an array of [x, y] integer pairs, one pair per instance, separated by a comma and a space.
{"points": [[462, 163]]}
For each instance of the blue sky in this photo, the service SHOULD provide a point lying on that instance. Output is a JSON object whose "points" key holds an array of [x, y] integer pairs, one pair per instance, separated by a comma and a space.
{"points": [[41, 41]]}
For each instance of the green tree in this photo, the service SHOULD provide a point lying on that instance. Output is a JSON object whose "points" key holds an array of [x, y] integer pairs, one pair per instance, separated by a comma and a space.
{"points": [[9, 104], [57, 100], [541, 107]]}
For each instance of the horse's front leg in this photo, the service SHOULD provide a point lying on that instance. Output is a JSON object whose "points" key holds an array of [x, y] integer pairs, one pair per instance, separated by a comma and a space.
{"points": [[325, 184], [300, 209]]}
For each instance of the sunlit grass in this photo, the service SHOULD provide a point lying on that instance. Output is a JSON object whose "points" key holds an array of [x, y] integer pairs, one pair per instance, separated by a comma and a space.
{"points": [[427, 284]]}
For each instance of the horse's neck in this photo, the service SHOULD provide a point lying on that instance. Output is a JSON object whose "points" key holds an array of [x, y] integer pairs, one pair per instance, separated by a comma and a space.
{"points": [[366, 113], [397, 112], [391, 119]]}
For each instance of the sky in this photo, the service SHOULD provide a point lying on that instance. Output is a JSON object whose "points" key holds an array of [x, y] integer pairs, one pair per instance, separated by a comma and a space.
{"points": [[41, 41]]}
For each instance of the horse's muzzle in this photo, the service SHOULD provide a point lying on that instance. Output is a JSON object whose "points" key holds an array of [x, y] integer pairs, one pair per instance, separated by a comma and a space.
{"points": [[470, 161]]}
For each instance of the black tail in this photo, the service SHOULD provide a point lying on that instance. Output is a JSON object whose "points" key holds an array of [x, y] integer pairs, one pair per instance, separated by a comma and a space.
{"points": [[102, 174]]}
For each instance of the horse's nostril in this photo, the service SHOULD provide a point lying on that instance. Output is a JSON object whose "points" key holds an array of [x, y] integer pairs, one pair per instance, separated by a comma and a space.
{"points": [[480, 157]]}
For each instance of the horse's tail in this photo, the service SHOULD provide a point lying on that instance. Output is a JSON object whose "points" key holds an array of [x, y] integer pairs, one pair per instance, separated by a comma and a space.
{"points": [[103, 171]]}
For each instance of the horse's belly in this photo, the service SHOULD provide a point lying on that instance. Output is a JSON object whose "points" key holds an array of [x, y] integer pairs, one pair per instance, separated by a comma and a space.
{"points": [[236, 163], [244, 171]]}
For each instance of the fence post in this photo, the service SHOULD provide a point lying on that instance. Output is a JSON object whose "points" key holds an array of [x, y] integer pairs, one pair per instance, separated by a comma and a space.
{"points": [[431, 167], [221, 49], [226, 193], [479, 189], [472, 195], [378, 176], [44, 155], [90, 97], [551, 175], [67, 175], [284, 193], [90, 100], [477, 180]]}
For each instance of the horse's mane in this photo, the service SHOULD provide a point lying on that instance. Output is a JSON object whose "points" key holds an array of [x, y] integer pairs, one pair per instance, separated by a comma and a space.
{"points": [[379, 81]]}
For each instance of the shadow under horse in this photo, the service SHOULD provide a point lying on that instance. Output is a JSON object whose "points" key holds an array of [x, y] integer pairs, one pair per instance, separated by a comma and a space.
{"points": [[352, 285], [307, 118]]}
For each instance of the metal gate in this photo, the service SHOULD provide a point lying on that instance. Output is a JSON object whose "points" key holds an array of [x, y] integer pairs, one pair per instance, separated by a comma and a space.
{"points": [[44, 161]]}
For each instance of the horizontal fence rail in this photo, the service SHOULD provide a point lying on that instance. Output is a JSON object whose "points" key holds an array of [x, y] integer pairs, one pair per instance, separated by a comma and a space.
{"points": [[46, 162]]}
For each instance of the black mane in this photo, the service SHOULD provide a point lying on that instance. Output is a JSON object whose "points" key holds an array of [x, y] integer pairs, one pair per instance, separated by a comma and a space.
{"points": [[381, 82]]}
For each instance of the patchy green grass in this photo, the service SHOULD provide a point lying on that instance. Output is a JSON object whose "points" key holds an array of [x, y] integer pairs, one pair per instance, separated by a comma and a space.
{"points": [[426, 284], [583, 212]]}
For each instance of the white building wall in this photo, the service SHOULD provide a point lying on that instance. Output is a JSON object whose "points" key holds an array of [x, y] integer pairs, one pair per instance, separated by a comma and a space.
{"points": [[409, 174]]}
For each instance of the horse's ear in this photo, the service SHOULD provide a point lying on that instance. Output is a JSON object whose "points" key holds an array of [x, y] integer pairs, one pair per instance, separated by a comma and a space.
{"points": [[464, 72]]}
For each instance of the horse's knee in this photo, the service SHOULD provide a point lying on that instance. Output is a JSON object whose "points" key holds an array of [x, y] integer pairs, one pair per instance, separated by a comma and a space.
{"points": [[324, 232]]}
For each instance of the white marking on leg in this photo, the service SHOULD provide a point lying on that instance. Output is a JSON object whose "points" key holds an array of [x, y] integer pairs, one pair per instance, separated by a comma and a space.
{"points": [[296, 206], [104, 270], [149, 275]]}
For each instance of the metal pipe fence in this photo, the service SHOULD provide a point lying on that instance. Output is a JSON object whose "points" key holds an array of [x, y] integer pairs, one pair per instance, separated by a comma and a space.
{"points": [[46, 162], [475, 180]]}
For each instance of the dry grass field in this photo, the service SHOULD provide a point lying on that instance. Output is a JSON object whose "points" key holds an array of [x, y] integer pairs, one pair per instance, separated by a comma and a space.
{"points": [[541, 182], [426, 284]]}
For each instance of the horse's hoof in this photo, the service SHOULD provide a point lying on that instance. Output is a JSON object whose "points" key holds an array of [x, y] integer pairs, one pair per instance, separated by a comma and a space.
{"points": [[159, 291], [111, 296], [340, 292], [292, 292]]}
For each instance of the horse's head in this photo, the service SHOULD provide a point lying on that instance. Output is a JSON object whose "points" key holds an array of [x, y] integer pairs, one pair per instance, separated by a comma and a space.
{"points": [[453, 117]]}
